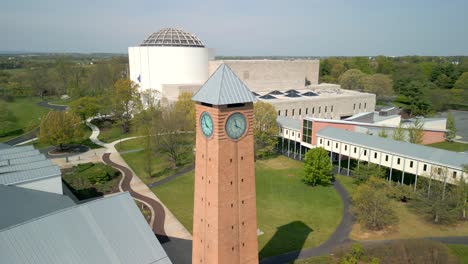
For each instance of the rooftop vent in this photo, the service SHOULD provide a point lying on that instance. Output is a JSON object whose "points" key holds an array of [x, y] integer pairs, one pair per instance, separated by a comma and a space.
{"points": [[309, 94], [292, 91], [267, 96], [292, 95], [254, 93], [275, 92]]}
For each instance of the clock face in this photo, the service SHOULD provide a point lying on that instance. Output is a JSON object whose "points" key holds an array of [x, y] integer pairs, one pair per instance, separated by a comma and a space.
{"points": [[236, 125], [206, 124]]}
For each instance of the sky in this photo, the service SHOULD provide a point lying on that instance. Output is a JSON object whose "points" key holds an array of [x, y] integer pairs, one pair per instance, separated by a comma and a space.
{"points": [[241, 27]]}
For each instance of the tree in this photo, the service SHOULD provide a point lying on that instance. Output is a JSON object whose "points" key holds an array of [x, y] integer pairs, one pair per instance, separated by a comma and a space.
{"points": [[399, 133], [186, 107], [148, 122], [416, 132], [462, 82], [85, 107], [126, 100], [451, 128], [437, 202], [352, 80], [7, 118], [171, 139], [265, 129], [379, 84], [461, 195], [372, 206], [364, 172], [59, 128], [318, 167], [383, 133]]}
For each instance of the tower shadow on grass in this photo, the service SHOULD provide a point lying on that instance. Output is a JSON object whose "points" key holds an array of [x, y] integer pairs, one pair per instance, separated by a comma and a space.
{"points": [[289, 237]]}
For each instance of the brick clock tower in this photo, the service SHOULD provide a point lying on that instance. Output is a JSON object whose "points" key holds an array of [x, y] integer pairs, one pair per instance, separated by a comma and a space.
{"points": [[225, 214]]}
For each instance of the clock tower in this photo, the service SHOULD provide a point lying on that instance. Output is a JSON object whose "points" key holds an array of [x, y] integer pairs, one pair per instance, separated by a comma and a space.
{"points": [[225, 216]]}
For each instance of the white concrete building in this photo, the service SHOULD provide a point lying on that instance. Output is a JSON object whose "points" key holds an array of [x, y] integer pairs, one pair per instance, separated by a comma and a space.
{"points": [[168, 59]]}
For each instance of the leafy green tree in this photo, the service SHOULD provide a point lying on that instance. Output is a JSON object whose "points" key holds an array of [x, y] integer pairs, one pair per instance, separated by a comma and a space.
{"points": [[148, 122], [372, 206], [379, 84], [265, 129], [186, 107], [399, 133], [460, 193], [352, 80], [444, 81], [416, 132], [452, 130], [365, 171], [85, 107], [462, 82], [7, 119], [125, 100], [59, 128], [384, 65], [383, 133], [318, 167]]}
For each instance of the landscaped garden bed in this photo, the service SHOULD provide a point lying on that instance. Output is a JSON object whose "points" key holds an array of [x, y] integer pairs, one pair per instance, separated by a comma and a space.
{"points": [[91, 180]]}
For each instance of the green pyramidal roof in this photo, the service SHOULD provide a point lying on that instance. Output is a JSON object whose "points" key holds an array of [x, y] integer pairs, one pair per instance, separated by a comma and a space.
{"points": [[224, 87]]}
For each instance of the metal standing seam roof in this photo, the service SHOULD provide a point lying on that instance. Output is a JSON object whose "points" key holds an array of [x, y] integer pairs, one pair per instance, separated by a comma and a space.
{"points": [[289, 122], [107, 230], [17, 177], [18, 155], [22, 160], [15, 150], [28, 204], [223, 88], [26, 166], [404, 149]]}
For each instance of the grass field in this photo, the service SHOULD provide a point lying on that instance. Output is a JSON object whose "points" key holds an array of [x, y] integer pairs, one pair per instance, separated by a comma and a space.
{"points": [[291, 214], [411, 225], [460, 251], [27, 113], [79, 180], [113, 132], [58, 101], [453, 146], [161, 166]]}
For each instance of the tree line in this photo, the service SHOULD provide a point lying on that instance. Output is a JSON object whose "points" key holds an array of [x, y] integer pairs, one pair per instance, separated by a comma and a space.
{"points": [[420, 85]]}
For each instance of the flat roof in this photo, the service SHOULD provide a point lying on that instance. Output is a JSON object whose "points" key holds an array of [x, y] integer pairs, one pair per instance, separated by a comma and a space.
{"points": [[413, 151], [289, 122], [107, 230], [321, 91]]}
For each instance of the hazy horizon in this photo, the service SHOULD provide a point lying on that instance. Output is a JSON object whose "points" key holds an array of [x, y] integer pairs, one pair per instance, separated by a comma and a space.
{"points": [[242, 28]]}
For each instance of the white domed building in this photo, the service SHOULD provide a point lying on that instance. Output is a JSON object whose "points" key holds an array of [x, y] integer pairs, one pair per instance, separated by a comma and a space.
{"points": [[168, 62]]}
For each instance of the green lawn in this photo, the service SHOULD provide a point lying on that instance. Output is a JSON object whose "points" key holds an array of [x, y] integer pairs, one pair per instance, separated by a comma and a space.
{"points": [[460, 251], [411, 225], [161, 166], [291, 214], [80, 180], [27, 113], [112, 132], [453, 146], [58, 101]]}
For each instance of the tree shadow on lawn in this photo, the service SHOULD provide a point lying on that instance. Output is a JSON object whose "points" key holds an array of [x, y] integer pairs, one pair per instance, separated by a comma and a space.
{"points": [[289, 237]]}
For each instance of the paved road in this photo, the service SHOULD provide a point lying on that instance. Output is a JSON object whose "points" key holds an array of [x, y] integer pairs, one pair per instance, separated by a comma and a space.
{"points": [[159, 218], [33, 133], [170, 178]]}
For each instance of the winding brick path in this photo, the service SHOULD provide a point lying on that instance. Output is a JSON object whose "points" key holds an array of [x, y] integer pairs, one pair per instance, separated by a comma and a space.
{"points": [[160, 215]]}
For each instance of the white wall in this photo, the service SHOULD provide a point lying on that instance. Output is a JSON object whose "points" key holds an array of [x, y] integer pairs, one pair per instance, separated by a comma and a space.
{"points": [[168, 65], [404, 164], [52, 184]]}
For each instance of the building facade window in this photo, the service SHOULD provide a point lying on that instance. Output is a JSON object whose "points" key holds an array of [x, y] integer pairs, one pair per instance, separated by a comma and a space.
{"points": [[292, 133], [375, 155], [285, 112], [320, 109], [386, 157], [345, 147], [336, 145], [292, 112], [355, 149], [398, 161], [307, 131], [425, 167], [365, 152], [300, 111], [411, 164], [365, 105], [279, 112], [328, 142], [359, 105], [325, 109], [354, 107], [307, 110], [287, 131], [454, 175], [321, 141], [332, 108], [313, 110]]}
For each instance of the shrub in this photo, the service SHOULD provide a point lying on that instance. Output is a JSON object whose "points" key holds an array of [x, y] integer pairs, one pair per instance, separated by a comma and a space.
{"points": [[366, 170]]}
